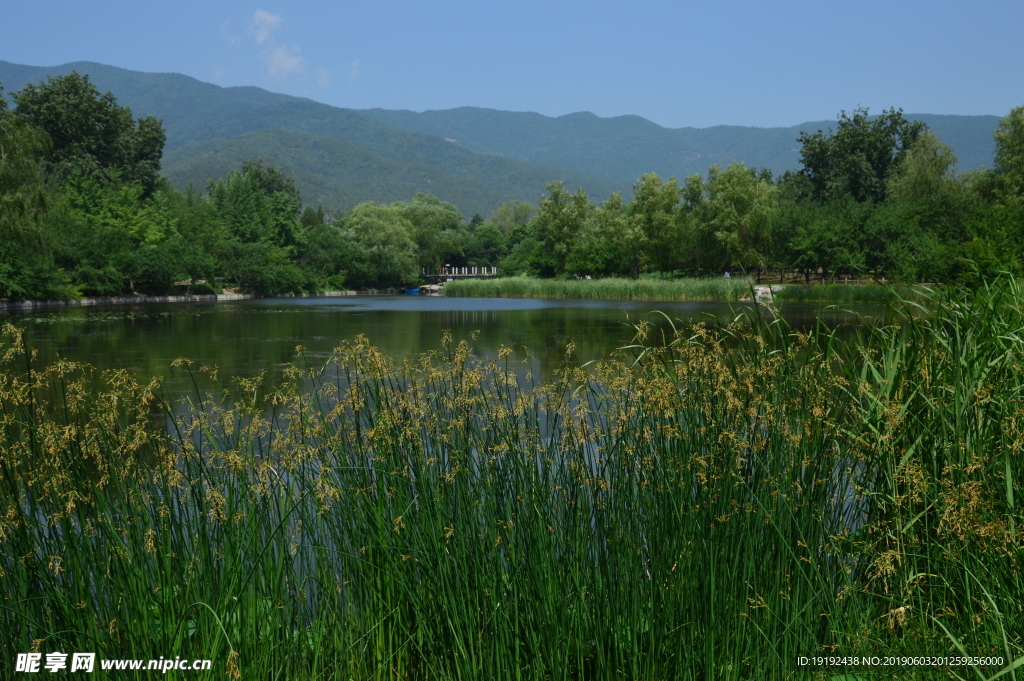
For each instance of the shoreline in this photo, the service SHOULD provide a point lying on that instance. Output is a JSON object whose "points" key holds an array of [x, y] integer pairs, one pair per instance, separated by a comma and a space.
{"points": [[208, 298]]}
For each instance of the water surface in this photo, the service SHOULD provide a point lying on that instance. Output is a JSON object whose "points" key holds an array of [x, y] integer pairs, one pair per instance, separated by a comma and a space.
{"points": [[246, 337]]}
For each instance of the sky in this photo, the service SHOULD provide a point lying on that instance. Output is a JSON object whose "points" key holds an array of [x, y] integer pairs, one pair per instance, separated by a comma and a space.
{"points": [[676, 63]]}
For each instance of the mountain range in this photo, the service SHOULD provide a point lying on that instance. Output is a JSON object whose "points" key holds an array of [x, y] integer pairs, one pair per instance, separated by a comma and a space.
{"points": [[474, 158]]}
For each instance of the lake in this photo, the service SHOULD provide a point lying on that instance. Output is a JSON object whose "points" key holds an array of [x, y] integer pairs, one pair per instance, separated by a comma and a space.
{"points": [[246, 337]]}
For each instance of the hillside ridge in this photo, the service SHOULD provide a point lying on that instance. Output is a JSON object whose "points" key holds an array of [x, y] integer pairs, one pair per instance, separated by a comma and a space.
{"points": [[474, 157]]}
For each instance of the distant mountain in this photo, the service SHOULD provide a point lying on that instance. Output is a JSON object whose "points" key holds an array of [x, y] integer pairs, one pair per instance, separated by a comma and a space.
{"points": [[327, 171], [474, 158], [624, 147], [217, 123]]}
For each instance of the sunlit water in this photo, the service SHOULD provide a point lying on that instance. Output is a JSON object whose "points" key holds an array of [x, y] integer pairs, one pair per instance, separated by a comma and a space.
{"points": [[244, 338]]}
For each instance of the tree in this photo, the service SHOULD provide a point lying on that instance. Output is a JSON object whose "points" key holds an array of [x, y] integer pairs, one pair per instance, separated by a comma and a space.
{"points": [[271, 181], [332, 258], [860, 157], [386, 237], [1009, 154], [828, 237], [734, 209], [610, 243], [486, 247], [653, 213], [928, 169], [91, 134], [434, 223], [560, 218], [512, 214], [258, 205], [23, 192], [312, 218]]}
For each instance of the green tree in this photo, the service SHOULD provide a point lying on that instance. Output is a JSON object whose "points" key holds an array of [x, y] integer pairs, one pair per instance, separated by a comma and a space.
{"points": [[653, 212], [387, 239], [436, 226], [23, 191], [928, 169], [486, 246], [105, 235], [258, 205], [830, 237], [860, 157], [512, 214], [272, 181], [561, 217], [734, 210], [200, 235], [610, 243], [311, 218], [1009, 153], [523, 246], [91, 134], [332, 258], [261, 268], [27, 268]]}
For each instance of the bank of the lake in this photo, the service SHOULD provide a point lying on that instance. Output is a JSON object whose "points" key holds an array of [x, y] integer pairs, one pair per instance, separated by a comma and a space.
{"points": [[724, 289], [205, 298], [695, 289]]}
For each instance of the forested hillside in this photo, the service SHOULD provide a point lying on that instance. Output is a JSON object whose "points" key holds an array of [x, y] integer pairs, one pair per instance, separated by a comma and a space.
{"points": [[192, 111], [471, 157], [625, 147], [84, 210], [338, 173]]}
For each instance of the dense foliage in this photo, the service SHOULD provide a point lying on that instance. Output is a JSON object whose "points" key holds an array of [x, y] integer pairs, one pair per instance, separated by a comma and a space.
{"points": [[83, 211]]}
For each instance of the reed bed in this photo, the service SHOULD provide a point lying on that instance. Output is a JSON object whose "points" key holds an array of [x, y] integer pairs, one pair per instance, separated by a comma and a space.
{"points": [[714, 288], [850, 293], [734, 499]]}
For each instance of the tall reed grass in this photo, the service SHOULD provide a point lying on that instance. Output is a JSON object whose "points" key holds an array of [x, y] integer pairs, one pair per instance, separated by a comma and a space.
{"points": [[738, 498], [850, 293], [715, 288]]}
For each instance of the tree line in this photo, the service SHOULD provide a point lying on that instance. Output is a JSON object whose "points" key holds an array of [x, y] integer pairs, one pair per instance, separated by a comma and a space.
{"points": [[877, 196], [84, 211]]}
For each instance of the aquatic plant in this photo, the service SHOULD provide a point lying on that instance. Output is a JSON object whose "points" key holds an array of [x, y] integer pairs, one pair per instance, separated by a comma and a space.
{"points": [[738, 497], [850, 293], [714, 288]]}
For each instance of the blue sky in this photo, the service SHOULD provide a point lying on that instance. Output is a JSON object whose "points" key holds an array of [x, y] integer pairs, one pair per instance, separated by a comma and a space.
{"points": [[676, 63]]}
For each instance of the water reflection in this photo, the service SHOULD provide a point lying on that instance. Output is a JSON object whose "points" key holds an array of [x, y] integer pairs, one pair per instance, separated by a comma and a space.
{"points": [[244, 338]]}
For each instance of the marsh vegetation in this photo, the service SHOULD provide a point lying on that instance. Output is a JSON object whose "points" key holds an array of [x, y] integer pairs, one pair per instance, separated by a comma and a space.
{"points": [[714, 288], [737, 496]]}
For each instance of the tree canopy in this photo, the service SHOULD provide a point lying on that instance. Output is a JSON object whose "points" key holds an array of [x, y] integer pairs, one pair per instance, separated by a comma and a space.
{"points": [[860, 156], [90, 133], [83, 212], [1009, 155]]}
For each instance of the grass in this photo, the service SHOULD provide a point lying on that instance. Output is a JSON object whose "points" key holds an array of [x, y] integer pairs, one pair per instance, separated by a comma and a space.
{"points": [[848, 293], [714, 288], [737, 498]]}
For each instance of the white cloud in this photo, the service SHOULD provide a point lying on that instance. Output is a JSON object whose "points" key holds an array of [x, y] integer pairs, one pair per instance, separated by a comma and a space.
{"points": [[280, 60], [353, 71], [232, 39], [323, 77], [283, 60], [263, 24]]}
